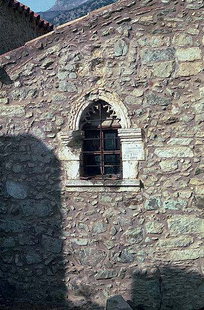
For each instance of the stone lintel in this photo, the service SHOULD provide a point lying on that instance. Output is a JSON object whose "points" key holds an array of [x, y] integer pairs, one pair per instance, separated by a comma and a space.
{"points": [[130, 134]]}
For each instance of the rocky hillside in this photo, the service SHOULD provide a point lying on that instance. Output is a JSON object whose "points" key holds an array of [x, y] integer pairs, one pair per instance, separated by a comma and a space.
{"points": [[66, 10], [65, 5]]}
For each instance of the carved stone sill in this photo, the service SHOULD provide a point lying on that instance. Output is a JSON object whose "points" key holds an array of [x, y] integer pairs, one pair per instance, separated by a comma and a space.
{"points": [[103, 185]]}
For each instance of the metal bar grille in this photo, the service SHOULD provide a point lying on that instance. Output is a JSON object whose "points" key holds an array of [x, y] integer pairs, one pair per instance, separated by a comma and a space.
{"points": [[101, 151]]}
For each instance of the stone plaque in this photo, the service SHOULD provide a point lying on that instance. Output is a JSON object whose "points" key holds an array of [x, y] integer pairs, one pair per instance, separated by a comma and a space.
{"points": [[133, 151]]}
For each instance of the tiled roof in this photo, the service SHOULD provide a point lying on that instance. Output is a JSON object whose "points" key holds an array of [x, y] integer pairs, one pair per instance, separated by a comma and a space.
{"points": [[35, 17]]}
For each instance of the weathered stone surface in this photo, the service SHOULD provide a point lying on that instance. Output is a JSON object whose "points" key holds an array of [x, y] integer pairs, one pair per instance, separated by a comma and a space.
{"points": [[182, 39], [138, 92], [33, 258], [188, 54], [153, 41], [175, 242], [134, 235], [184, 225], [120, 48], [4, 100], [67, 86], [148, 55], [189, 68], [172, 152], [9, 242], [169, 165], [47, 63], [52, 245], [99, 228], [174, 204], [163, 69], [189, 254], [153, 99], [199, 190], [153, 203], [89, 256], [180, 141], [38, 209], [126, 257], [117, 303], [16, 190], [197, 181], [81, 242], [106, 274], [10, 111], [154, 227]]}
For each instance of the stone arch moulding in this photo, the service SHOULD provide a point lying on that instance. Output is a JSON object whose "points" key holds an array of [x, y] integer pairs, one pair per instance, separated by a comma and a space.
{"points": [[100, 94], [71, 139]]}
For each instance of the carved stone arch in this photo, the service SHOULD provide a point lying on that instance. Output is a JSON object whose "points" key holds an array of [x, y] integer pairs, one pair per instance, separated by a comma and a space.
{"points": [[110, 98], [72, 136]]}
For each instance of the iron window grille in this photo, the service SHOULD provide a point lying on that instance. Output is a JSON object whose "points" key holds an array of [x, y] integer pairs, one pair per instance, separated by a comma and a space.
{"points": [[101, 149]]}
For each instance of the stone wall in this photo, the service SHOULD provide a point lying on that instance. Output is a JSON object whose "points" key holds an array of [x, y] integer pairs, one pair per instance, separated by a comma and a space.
{"points": [[18, 26], [146, 245]]}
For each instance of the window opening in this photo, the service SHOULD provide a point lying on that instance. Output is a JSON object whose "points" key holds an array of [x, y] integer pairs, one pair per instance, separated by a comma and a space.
{"points": [[101, 150]]}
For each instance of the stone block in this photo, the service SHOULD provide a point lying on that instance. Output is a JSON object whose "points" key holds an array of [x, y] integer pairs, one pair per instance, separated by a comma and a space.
{"points": [[153, 203], [52, 245], [16, 190], [117, 303], [99, 228], [153, 99], [90, 256], [69, 87], [182, 39], [182, 224], [173, 152], [12, 110], [188, 54], [169, 165], [8, 242], [126, 257], [186, 254], [180, 141], [157, 55], [176, 204], [106, 274], [120, 48], [189, 68], [163, 69], [154, 227], [138, 92], [33, 258], [36, 209], [197, 181], [153, 41], [199, 190], [81, 242], [175, 242], [134, 235], [4, 100]]}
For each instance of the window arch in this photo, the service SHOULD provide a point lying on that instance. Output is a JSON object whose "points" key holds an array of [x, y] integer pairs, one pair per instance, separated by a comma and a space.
{"points": [[99, 122], [101, 149]]}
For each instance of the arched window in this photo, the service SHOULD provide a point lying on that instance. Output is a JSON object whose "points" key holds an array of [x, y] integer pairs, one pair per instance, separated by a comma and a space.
{"points": [[101, 149]]}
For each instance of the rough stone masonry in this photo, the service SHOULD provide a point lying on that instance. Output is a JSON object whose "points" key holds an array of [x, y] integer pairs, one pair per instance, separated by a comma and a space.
{"points": [[83, 246]]}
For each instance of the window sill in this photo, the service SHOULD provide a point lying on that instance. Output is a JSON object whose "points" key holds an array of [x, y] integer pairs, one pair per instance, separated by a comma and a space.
{"points": [[103, 185]]}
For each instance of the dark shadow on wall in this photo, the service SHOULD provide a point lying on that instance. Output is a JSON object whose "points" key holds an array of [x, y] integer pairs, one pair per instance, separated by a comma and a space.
{"points": [[4, 77], [32, 263], [167, 288]]}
